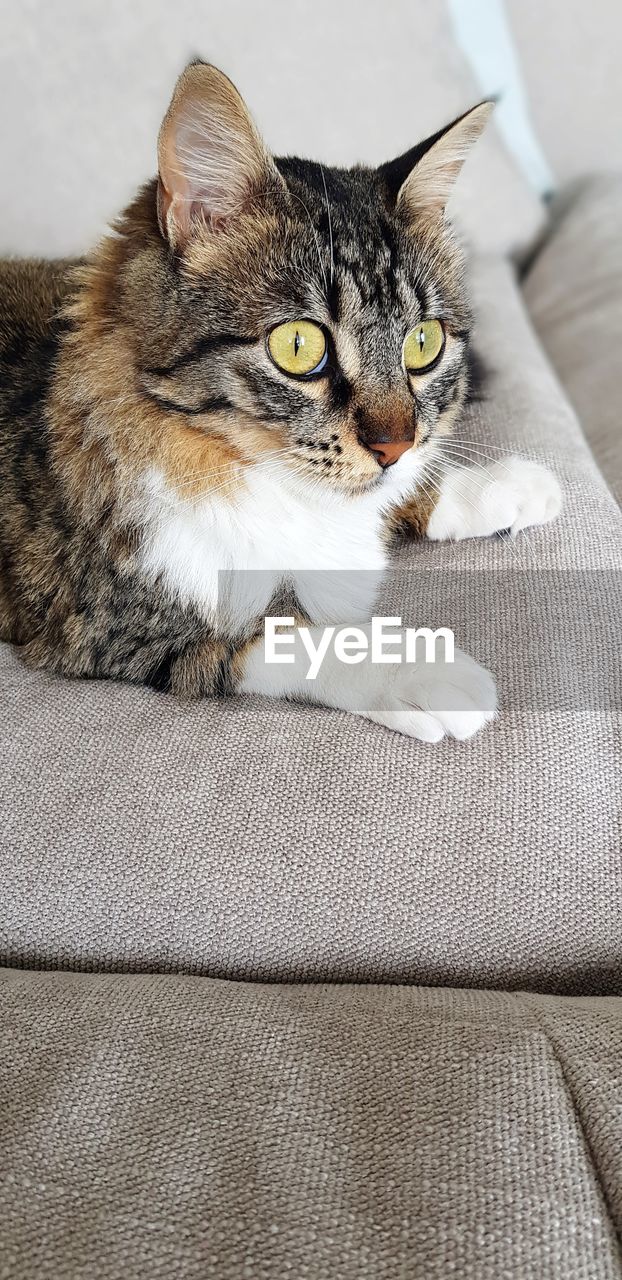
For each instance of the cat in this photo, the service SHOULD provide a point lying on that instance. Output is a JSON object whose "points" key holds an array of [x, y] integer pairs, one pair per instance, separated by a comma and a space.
{"points": [[251, 373]]}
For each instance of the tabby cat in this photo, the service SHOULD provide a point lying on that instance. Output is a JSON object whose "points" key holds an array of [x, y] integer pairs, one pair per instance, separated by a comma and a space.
{"points": [[251, 373]]}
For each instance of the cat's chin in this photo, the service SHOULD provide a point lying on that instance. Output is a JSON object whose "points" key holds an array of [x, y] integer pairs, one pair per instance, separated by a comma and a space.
{"points": [[348, 486], [358, 486], [391, 482]]}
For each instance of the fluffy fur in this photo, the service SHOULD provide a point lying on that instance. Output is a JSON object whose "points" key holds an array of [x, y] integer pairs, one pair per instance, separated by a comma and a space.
{"points": [[148, 442]]}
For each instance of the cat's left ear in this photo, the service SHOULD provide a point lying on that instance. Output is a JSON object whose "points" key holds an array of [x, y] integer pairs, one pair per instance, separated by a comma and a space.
{"points": [[420, 181], [212, 161]]}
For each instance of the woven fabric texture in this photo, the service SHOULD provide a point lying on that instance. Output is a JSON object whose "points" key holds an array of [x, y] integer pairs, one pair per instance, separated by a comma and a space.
{"points": [[162, 1126], [574, 295]]}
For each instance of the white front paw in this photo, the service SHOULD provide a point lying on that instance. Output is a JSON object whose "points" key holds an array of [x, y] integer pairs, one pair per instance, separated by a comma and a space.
{"points": [[477, 501], [432, 700]]}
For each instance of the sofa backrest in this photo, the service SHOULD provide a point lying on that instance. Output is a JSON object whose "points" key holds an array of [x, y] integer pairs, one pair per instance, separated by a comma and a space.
{"points": [[570, 55], [83, 88]]}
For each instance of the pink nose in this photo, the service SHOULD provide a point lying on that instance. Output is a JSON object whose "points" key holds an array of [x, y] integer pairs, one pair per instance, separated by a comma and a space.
{"points": [[389, 453]]}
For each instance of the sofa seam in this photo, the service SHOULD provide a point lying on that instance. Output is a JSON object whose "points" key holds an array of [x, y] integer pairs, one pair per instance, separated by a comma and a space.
{"points": [[576, 1108]]}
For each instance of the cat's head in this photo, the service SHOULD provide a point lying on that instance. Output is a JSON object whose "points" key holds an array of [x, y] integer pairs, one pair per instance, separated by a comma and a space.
{"points": [[311, 313]]}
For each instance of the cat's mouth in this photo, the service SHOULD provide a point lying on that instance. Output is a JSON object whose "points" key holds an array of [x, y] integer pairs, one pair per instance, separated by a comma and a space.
{"points": [[351, 466]]}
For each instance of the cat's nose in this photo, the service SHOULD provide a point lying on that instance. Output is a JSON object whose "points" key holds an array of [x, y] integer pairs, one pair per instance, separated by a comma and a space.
{"points": [[387, 454]]}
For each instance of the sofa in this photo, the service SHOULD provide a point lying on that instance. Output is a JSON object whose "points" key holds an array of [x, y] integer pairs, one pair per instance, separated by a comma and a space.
{"points": [[284, 993]]}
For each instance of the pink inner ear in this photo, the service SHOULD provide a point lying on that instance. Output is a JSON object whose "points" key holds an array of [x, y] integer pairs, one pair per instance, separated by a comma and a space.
{"points": [[211, 157], [210, 154], [213, 168]]}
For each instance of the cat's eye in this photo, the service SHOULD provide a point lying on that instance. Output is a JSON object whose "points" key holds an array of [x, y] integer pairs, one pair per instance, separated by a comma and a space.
{"points": [[423, 346], [298, 348]]}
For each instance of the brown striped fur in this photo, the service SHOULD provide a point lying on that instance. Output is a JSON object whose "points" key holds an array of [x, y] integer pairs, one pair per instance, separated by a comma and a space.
{"points": [[150, 354]]}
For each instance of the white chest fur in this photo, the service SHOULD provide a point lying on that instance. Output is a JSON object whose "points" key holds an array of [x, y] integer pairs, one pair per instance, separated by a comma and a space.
{"points": [[226, 556]]}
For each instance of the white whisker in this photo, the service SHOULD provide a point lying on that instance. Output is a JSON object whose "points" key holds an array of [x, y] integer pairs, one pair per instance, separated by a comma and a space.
{"points": [[330, 227]]}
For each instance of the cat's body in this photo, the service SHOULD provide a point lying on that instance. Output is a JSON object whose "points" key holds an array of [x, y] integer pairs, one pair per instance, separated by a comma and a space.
{"points": [[155, 431], [68, 595], [98, 578]]}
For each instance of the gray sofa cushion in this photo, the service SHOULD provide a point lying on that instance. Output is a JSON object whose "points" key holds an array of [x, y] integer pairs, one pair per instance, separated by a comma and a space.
{"points": [[574, 294], [262, 840], [163, 1126]]}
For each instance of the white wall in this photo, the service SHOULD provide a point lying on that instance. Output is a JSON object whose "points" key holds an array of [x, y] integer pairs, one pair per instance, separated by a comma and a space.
{"points": [[571, 56], [84, 85]]}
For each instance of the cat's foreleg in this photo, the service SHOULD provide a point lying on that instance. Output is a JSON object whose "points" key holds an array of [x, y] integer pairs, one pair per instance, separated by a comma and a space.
{"points": [[424, 700], [477, 501]]}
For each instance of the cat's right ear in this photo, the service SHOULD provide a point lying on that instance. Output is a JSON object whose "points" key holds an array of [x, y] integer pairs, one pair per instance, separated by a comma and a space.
{"points": [[211, 159], [419, 183]]}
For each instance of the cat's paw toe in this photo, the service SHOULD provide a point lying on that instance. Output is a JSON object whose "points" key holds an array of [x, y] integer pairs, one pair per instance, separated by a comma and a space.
{"points": [[510, 494], [537, 493], [431, 701]]}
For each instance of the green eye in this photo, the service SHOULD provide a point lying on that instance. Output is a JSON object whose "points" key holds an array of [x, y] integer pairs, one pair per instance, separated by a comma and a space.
{"points": [[298, 347], [423, 345]]}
